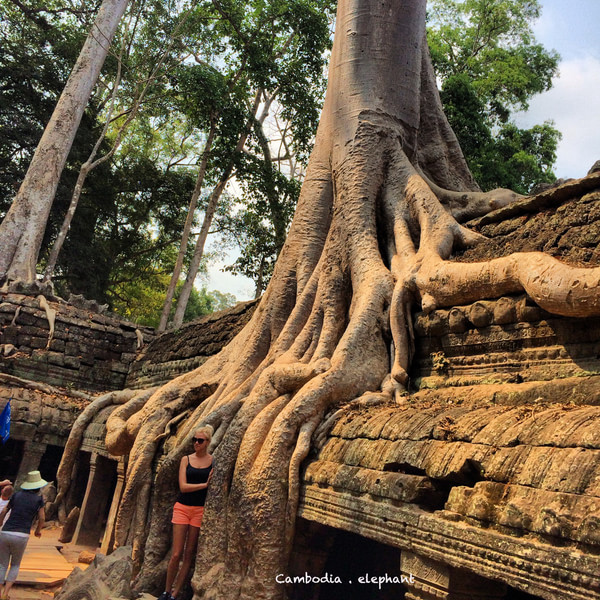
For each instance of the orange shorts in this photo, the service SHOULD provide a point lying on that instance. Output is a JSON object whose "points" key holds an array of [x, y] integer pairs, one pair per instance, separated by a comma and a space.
{"points": [[187, 515]]}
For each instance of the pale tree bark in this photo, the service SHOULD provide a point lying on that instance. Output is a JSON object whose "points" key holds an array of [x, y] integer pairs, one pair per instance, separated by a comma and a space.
{"points": [[209, 214], [84, 171], [279, 224], [258, 290], [22, 229], [92, 162], [376, 221], [187, 228]]}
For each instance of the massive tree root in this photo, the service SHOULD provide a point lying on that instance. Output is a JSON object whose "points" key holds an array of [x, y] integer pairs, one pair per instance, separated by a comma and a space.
{"points": [[65, 473], [377, 219]]}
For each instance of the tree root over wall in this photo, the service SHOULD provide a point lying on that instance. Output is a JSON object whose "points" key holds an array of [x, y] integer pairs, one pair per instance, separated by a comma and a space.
{"points": [[377, 220]]}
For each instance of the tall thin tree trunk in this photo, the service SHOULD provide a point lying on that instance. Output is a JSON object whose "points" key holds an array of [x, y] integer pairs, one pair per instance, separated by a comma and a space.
{"points": [[213, 202], [164, 317], [211, 207], [275, 208], [87, 166], [260, 279], [22, 230], [90, 164]]}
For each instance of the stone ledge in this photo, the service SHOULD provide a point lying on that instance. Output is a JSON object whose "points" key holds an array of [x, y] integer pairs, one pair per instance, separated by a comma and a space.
{"points": [[536, 568]]}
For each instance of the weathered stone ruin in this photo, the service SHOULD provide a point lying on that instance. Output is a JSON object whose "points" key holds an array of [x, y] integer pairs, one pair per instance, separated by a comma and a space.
{"points": [[62, 345], [55, 358], [484, 482], [182, 350]]}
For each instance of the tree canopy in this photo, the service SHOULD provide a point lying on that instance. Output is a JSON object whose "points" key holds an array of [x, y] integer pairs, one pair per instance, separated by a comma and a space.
{"points": [[128, 203], [203, 65], [214, 56], [270, 54], [490, 65]]}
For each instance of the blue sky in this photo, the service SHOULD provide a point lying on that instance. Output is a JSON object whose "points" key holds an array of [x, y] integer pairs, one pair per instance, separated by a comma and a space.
{"points": [[571, 28], [573, 103]]}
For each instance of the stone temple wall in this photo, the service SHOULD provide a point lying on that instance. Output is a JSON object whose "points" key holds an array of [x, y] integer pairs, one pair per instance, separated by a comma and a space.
{"points": [[182, 350], [86, 350], [487, 476], [509, 340], [43, 416], [490, 469], [54, 358]]}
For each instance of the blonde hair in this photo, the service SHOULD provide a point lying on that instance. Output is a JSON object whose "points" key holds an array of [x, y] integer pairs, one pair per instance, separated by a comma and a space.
{"points": [[206, 430]]}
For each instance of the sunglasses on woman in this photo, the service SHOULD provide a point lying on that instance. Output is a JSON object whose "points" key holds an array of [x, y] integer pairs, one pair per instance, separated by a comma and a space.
{"points": [[198, 440]]}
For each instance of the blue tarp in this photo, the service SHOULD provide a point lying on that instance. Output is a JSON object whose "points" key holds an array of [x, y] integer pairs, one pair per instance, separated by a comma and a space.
{"points": [[5, 422]]}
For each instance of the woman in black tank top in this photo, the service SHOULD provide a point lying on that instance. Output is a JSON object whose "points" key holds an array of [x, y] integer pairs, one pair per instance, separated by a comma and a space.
{"points": [[195, 472]]}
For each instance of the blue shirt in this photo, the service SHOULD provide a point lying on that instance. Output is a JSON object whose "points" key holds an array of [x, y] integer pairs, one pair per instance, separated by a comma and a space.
{"points": [[24, 506]]}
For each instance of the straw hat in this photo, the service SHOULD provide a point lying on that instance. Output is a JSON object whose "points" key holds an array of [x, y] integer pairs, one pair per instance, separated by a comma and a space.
{"points": [[34, 481]]}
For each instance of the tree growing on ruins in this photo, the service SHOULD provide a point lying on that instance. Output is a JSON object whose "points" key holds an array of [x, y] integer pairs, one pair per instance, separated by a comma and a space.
{"points": [[379, 214]]}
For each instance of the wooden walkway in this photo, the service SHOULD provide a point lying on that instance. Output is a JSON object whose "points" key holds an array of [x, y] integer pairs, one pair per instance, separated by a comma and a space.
{"points": [[43, 565]]}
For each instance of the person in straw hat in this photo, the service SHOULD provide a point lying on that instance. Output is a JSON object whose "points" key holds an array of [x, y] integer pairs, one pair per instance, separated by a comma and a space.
{"points": [[25, 505]]}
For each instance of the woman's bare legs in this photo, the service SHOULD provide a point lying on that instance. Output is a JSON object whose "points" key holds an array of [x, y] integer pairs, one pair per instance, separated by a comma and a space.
{"points": [[180, 532], [188, 557]]}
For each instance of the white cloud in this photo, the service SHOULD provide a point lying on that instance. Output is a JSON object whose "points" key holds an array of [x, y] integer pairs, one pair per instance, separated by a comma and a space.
{"points": [[574, 105], [228, 283]]}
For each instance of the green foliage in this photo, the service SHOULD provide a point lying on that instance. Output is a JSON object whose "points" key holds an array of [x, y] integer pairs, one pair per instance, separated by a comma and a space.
{"points": [[222, 300], [200, 63], [142, 301], [520, 158], [277, 49], [127, 232], [505, 156], [132, 208], [491, 41], [37, 51], [268, 201], [490, 65]]}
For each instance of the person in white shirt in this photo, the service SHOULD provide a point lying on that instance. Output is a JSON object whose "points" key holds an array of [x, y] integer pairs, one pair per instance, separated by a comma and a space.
{"points": [[5, 494]]}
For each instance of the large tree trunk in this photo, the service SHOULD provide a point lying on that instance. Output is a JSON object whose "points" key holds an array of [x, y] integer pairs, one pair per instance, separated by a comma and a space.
{"points": [[22, 229], [90, 164], [376, 220]]}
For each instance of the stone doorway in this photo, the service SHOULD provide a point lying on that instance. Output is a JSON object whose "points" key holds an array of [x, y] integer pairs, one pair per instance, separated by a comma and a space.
{"points": [[347, 566], [96, 503], [50, 461], [364, 566], [11, 453], [79, 480], [514, 594]]}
